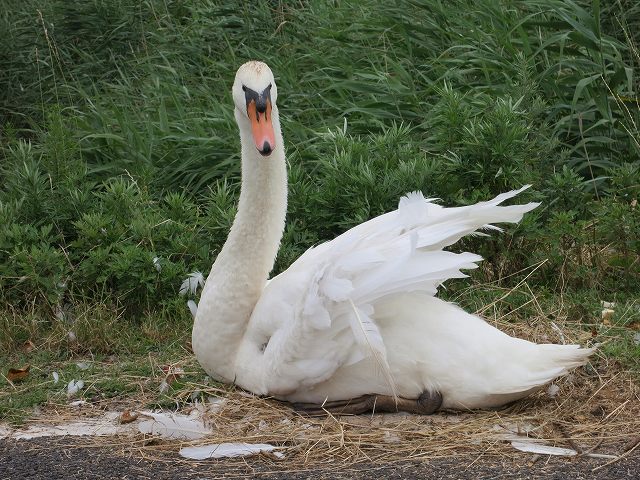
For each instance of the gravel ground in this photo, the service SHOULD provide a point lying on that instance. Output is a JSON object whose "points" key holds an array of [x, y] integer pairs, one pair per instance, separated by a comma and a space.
{"points": [[70, 458]]}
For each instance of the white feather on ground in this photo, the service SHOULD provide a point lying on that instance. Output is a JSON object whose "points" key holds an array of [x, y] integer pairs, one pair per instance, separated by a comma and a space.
{"points": [[174, 426], [224, 450]]}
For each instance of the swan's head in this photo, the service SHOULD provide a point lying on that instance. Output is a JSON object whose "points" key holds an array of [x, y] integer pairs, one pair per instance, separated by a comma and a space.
{"points": [[254, 93]]}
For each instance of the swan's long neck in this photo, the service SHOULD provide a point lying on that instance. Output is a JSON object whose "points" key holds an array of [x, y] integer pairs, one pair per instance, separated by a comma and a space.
{"points": [[242, 267]]}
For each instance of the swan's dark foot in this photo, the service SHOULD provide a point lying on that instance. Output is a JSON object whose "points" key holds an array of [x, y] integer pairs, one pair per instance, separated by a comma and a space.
{"points": [[429, 402], [353, 406], [426, 404]]}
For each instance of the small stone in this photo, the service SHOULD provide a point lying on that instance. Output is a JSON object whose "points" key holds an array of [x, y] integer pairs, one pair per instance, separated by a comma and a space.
{"points": [[607, 315]]}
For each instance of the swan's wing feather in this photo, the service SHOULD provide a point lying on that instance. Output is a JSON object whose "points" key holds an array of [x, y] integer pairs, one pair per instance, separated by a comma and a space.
{"points": [[330, 292]]}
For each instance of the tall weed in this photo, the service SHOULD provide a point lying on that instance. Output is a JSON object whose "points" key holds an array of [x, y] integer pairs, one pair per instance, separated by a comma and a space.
{"points": [[120, 154]]}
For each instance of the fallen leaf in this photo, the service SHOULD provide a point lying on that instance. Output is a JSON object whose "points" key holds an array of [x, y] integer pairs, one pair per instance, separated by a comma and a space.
{"points": [[28, 346], [17, 374], [171, 373], [128, 417]]}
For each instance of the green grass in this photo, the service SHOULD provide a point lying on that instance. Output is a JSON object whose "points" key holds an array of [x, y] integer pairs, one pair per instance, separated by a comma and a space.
{"points": [[117, 365]]}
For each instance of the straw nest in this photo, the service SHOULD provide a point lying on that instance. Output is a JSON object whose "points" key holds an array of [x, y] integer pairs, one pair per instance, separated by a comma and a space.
{"points": [[593, 410], [590, 413]]}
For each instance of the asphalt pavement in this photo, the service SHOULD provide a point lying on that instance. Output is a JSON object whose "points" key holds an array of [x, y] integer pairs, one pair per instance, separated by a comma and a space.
{"points": [[72, 458]]}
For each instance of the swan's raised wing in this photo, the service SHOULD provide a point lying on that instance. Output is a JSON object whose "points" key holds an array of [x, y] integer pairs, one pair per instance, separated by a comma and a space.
{"points": [[320, 313]]}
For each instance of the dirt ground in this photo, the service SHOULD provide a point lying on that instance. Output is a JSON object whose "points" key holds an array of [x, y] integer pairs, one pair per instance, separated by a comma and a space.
{"points": [[63, 458]]}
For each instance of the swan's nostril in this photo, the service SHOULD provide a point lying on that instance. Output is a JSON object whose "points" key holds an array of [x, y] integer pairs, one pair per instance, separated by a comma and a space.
{"points": [[266, 149]]}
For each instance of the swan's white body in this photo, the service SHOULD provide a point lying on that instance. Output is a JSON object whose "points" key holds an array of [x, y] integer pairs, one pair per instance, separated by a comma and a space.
{"points": [[357, 315]]}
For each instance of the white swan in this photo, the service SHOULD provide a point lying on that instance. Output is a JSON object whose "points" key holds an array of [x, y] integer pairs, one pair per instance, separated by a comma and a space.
{"points": [[353, 324]]}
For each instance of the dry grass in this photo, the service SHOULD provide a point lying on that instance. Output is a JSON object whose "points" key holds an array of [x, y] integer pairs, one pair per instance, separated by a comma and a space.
{"points": [[597, 410]]}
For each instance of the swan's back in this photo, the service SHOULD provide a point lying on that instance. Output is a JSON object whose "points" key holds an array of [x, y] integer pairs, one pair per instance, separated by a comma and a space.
{"points": [[362, 307]]}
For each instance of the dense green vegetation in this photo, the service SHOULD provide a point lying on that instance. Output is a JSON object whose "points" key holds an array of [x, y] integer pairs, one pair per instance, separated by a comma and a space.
{"points": [[119, 153]]}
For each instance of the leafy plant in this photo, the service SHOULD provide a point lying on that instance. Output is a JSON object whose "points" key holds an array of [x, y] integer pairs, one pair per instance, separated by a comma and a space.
{"points": [[120, 155]]}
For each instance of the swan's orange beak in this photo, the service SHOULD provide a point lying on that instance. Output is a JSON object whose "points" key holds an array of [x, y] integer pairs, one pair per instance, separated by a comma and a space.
{"points": [[261, 126]]}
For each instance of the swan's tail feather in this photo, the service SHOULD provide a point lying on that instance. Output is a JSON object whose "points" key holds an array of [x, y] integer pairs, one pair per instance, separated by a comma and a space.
{"points": [[564, 357], [547, 362], [568, 356]]}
